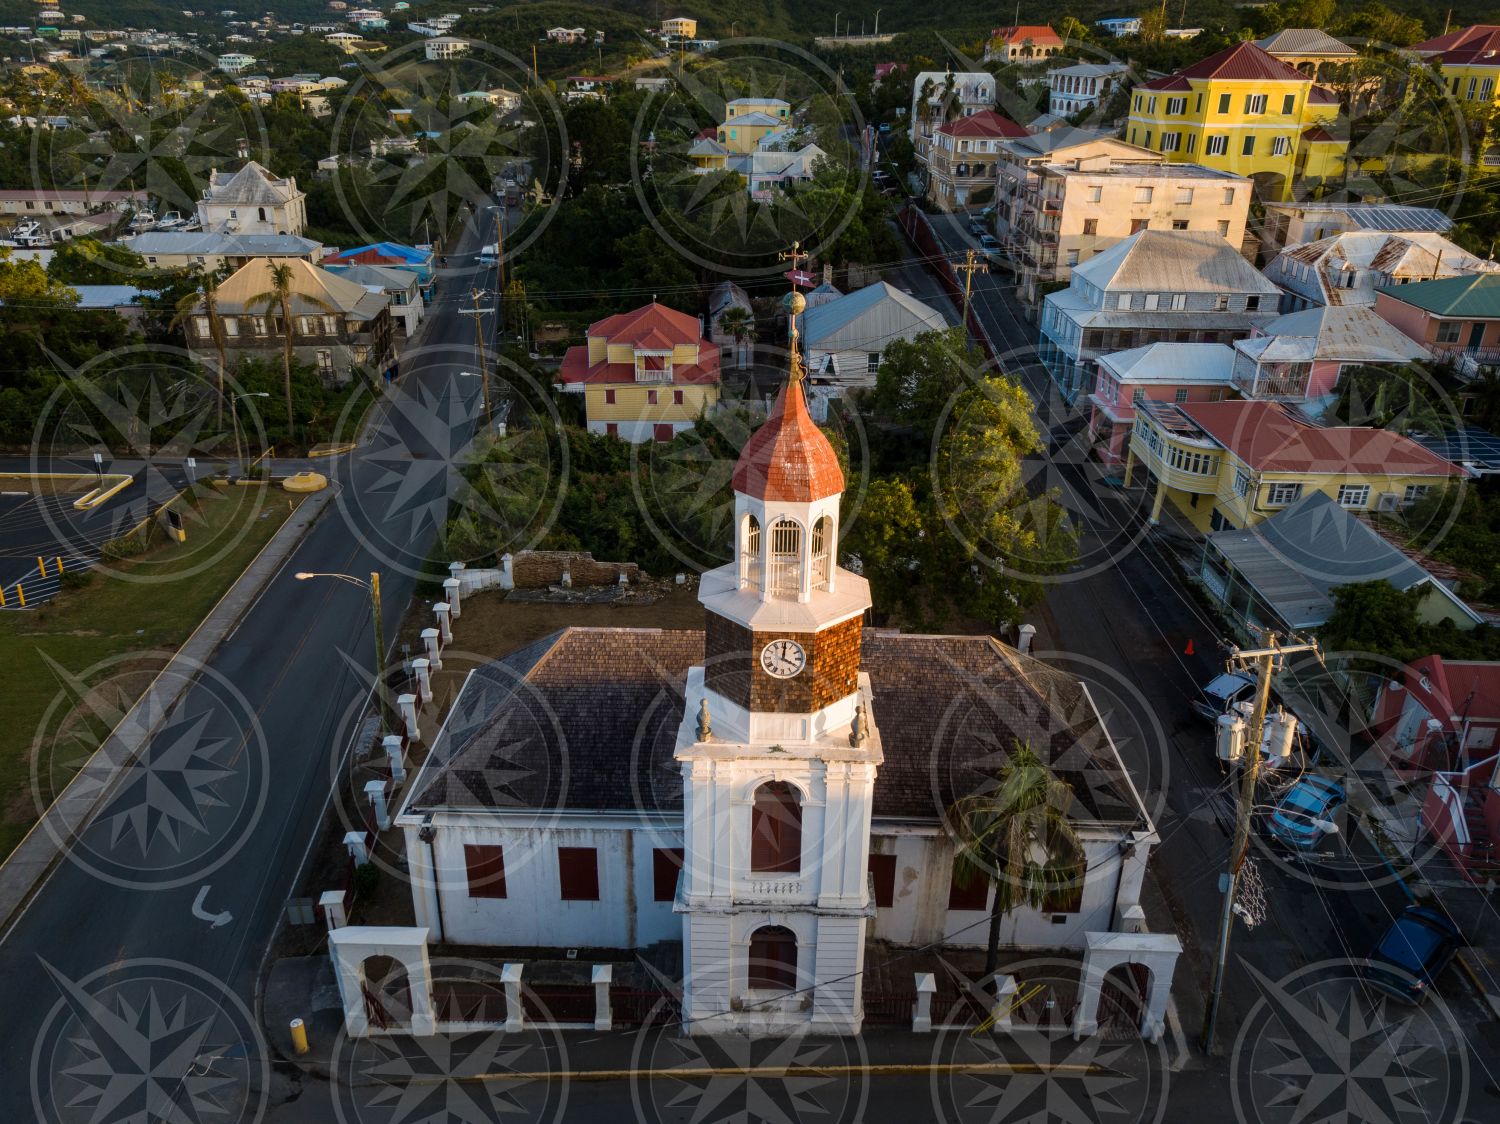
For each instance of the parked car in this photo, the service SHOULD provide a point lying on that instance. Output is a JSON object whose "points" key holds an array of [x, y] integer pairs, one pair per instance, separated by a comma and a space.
{"points": [[1420, 943], [1223, 692], [978, 228], [1303, 817], [991, 246]]}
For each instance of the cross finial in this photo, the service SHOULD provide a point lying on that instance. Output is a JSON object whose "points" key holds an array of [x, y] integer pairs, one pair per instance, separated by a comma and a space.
{"points": [[796, 257]]}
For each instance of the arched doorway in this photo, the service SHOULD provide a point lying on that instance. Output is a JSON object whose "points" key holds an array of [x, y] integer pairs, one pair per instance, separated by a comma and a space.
{"points": [[776, 830], [1122, 999], [773, 959], [387, 992]]}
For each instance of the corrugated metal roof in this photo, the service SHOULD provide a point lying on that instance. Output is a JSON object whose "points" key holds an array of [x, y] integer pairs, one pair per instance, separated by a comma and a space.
{"points": [[1305, 41], [1477, 296], [1351, 334], [1174, 261], [1243, 61], [1172, 363], [1298, 557], [1396, 218], [867, 320]]}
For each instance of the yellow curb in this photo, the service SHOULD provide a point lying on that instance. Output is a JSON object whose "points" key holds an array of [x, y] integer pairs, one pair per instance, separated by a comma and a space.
{"points": [[887, 1070], [305, 482], [1468, 969], [93, 498], [331, 450]]}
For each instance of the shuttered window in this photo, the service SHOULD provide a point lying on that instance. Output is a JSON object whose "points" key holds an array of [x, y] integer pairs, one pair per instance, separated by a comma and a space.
{"points": [[973, 896], [776, 830], [665, 863], [773, 958], [578, 874], [883, 867], [486, 869]]}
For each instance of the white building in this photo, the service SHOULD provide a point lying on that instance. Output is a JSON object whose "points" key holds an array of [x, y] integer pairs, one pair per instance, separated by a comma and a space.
{"points": [[235, 63], [845, 337], [1121, 27], [1072, 89], [770, 792], [252, 201], [442, 47], [938, 96], [1346, 269]]}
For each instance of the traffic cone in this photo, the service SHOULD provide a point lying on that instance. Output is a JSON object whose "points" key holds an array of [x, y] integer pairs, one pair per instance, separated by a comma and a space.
{"points": [[1188, 651]]}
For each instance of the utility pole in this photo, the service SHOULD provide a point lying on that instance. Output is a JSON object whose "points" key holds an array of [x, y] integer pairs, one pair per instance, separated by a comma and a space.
{"points": [[968, 267], [1266, 660], [500, 266], [484, 376]]}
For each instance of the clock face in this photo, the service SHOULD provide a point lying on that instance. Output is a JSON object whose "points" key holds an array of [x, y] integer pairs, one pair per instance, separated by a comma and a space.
{"points": [[783, 658]]}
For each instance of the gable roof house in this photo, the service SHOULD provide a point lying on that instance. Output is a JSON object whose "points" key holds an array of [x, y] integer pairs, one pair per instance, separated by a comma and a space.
{"points": [[1346, 269], [846, 336], [252, 201]]}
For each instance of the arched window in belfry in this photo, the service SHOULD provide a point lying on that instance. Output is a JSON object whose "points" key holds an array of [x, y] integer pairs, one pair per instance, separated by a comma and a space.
{"points": [[786, 558], [750, 563], [822, 552], [776, 829]]}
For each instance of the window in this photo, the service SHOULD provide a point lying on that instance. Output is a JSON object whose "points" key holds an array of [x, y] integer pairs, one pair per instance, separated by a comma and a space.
{"points": [[1192, 143], [1151, 105], [1152, 301], [1185, 195], [231, 326], [651, 398], [1122, 302], [1071, 257], [1283, 494], [1255, 103], [1179, 224], [1148, 138], [1473, 82], [1241, 482], [750, 554], [666, 862], [1487, 90], [1171, 142], [200, 325], [822, 554], [1137, 396], [1096, 194], [1216, 146], [325, 361], [776, 830], [1177, 105], [1221, 303], [773, 959], [1449, 331], [872, 363], [1065, 897], [486, 869], [1137, 103], [1138, 225], [1223, 228], [677, 398], [1280, 146], [662, 431], [609, 396], [1179, 302], [1414, 492], [1354, 495], [1248, 148], [1181, 395], [883, 867], [786, 558], [578, 874], [975, 895], [611, 429], [1223, 103]]}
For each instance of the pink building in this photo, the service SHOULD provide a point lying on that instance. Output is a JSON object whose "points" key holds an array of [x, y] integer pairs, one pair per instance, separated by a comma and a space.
{"points": [[1302, 355], [1455, 315], [1442, 719], [1164, 372]]}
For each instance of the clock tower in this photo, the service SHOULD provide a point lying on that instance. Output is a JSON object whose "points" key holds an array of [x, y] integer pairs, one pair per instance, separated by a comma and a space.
{"points": [[778, 749]]}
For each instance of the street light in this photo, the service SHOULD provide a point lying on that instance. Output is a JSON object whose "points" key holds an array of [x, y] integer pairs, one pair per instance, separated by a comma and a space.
{"points": [[373, 585], [234, 421], [877, 21]]}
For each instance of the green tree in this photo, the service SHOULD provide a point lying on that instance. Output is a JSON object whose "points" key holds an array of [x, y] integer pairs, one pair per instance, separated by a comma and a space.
{"points": [[1016, 833], [207, 298], [740, 324], [280, 297], [918, 378], [889, 537]]}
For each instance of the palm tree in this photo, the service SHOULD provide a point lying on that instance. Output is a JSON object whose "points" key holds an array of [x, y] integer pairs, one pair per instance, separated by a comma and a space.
{"points": [[740, 324], [279, 297], [207, 295], [1016, 833]]}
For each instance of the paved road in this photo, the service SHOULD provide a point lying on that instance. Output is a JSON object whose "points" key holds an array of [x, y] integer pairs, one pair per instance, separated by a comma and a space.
{"points": [[194, 853], [1131, 612]]}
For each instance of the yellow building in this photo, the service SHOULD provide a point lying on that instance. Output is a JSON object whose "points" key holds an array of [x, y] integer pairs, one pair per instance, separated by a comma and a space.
{"points": [[747, 121], [1234, 464], [1244, 112], [645, 375], [1469, 61], [679, 27]]}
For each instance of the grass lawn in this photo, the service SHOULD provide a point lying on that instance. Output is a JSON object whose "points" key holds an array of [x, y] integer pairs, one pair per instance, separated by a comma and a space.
{"points": [[117, 627]]}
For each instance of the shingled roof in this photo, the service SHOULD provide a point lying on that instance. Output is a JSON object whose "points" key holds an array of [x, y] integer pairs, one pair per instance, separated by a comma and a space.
{"points": [[586, 721]]}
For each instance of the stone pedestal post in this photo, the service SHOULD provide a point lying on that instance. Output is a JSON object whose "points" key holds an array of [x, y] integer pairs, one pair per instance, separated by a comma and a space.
{"points": [[332, 904], [355, 842], [375, 792], [407, 704], [434, 648], [515, 1013], [444, 613], [422, 669], [396, 754], [921, 1017], [452, 594], [603, 976]]}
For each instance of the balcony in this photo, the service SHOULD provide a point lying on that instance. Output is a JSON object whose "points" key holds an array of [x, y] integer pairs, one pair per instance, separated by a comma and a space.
{"points": [[1271, 380]]}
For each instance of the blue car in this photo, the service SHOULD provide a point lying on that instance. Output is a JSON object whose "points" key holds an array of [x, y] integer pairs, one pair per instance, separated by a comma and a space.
{"points": [[1412, 954], [1304, 814]]}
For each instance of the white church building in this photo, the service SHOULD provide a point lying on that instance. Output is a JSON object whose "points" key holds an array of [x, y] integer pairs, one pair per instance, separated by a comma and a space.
{"points": [[769, 792]]}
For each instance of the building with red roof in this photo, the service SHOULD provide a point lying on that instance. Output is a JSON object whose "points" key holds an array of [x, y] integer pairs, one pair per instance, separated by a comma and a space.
{"points": [[1023, 43], [1244, 111], [1469, 61], [963, 154], [644, 375], [1234, 464]]}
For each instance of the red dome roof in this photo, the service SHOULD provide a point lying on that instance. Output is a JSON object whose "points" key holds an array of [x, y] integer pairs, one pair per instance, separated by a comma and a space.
{"points": [[788, 458]]}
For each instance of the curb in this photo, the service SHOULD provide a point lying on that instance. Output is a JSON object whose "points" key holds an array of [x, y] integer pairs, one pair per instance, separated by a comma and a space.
{"points": [[26, 869]]}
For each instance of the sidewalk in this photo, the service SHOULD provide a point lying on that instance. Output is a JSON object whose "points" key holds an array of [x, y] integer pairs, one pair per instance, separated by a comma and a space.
{"points": [[28, 865]]}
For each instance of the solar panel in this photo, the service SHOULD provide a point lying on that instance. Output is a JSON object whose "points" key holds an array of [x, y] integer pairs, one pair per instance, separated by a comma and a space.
{"points": [[1474, 448]]}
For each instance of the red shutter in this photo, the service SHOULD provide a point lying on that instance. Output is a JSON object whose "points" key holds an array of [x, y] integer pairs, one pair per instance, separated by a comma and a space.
{"points": [[973, 896], [665, 863], [609, 397], [663, 431], [486, 868], [611, 429], [883, 867], [773, 958], [677, 398], [776, 830], [578, 874]]}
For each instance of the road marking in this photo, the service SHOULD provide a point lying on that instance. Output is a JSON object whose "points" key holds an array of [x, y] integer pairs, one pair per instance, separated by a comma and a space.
{"points": [[202, 914]]}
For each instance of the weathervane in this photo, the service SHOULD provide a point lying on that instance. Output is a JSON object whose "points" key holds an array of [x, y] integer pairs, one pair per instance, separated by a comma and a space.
{"points": [[795, 302]]}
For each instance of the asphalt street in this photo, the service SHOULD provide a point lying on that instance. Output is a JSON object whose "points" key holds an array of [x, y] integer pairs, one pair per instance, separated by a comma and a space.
{"points": [[155, 923]]}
